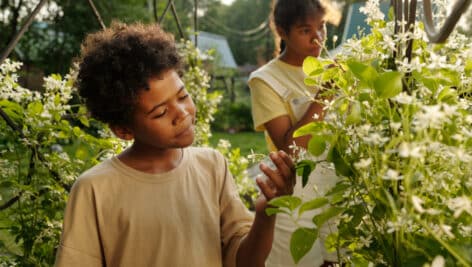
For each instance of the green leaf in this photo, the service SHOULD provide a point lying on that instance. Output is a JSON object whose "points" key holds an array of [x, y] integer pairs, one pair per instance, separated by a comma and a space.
{"points": [[388, 84], [302, 241], [313, 204], [310, 128], [12, 109], [35, 108], [272, 211], [365, 73], [354, 116], [289, 202], [310, 81], [311, 64], [84, 120], [323, 217], [77, 131], [447, 95], [342, 167], [316, 145], [304, 169]]}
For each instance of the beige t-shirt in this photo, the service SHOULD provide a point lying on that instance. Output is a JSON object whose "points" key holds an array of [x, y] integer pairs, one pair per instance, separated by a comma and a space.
{"points": [[189, 216]]}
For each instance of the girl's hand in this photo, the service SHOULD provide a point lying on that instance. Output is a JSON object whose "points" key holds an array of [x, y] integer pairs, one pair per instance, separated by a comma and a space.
{"points": [[279, 181]]}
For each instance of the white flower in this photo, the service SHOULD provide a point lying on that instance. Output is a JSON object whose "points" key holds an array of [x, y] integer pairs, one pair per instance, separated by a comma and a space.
{"points": [[404, 98], [447, 230], [438, 261], [392, 175], [395, 125], [363, 163], [406, 150], [375, 139], [463, 155], [437, 61], [460, 205], [223, 143], [372, 11], [417, 204], [430, 116]]}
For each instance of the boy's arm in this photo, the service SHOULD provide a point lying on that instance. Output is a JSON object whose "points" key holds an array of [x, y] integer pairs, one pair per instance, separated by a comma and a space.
{"points": [[80, 244], [255, 247]]}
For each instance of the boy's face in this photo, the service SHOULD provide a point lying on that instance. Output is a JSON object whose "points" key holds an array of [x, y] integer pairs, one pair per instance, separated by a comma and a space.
{"points": [[164, 116]]}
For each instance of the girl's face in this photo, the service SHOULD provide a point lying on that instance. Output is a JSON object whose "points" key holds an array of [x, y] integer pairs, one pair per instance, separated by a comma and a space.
{"points": [[305, 37]]}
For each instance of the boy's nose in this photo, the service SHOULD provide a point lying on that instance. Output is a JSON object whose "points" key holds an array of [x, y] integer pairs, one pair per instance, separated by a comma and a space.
{"points": [[181, 114]]}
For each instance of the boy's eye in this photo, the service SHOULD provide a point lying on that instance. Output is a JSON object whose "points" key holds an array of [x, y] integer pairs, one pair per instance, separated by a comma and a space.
{"points": [[160, 114], [182, 97]]}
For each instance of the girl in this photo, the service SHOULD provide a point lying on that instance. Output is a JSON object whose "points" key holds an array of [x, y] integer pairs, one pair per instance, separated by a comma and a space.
{"points": [[279, 108]]}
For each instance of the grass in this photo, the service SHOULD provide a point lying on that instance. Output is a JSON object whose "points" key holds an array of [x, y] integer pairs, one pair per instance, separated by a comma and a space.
{"points": [[246, 141]]}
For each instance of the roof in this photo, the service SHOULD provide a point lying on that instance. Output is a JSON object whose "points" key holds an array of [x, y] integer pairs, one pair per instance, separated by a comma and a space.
{"points": [[218, 42]]}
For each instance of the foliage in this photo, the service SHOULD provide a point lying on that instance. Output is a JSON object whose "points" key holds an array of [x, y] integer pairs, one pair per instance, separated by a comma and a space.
{"points": [[46, 142], [233, 117], [399, 134], [43, 149]]}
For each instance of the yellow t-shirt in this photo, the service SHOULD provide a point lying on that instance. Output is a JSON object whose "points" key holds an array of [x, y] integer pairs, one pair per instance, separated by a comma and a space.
{"points": [[189, 216], [278, 89]]}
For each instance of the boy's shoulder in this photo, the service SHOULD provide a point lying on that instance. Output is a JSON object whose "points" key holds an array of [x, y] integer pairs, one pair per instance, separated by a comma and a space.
{"points": [[100, 173], [205, 154]]}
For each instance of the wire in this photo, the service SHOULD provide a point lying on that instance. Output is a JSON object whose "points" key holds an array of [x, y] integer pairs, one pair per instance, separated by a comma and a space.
{"points": [[263, 26]]}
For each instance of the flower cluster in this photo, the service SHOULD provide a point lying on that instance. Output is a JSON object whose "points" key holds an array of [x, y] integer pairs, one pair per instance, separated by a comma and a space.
{"points": [[399, 134]]}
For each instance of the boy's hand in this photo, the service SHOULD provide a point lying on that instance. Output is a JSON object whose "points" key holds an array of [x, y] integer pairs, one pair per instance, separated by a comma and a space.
{"points": [[279, 182]]}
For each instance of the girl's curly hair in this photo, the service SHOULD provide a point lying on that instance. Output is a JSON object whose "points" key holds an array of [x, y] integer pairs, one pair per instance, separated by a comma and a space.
{"points": [[116, 63]]}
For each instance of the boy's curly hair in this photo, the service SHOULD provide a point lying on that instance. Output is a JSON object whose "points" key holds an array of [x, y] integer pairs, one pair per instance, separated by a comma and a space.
{"points": [[116, 63]]}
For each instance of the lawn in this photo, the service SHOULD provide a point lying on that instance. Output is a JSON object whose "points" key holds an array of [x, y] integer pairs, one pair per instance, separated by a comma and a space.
{"points": [[246, 141]]}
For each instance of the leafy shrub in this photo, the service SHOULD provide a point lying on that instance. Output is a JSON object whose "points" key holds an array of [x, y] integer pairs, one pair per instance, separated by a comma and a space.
{"points": [[399, 134], [233, 117]]}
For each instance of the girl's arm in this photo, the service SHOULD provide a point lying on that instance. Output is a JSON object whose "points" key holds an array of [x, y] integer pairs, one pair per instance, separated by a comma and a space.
{"points": [[255, 247], [281, 129]]}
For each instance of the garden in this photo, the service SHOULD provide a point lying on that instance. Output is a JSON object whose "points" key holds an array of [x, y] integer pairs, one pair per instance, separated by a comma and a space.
{"points": [[397, 131]]}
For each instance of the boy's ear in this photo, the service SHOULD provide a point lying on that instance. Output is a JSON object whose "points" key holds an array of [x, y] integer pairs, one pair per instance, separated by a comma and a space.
{"points": [[122, 132]]}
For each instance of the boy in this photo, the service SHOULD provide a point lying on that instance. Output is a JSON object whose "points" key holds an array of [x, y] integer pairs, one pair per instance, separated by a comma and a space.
{"points": [[160, 202]]}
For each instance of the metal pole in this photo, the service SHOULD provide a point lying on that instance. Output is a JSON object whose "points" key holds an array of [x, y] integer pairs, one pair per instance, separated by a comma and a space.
{"points": [[22, 31], [176, 17], [169, 3], [154, 10], [195, 22], [440, 36], [97, 15]]}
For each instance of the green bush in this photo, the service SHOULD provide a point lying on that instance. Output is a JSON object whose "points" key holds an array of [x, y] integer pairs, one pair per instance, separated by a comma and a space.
{"points": [[398, 131], [233, 117]]}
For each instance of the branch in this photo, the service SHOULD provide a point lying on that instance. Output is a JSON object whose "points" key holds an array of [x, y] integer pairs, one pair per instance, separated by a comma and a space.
{"points": [[10, 122], [10, 202]]}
